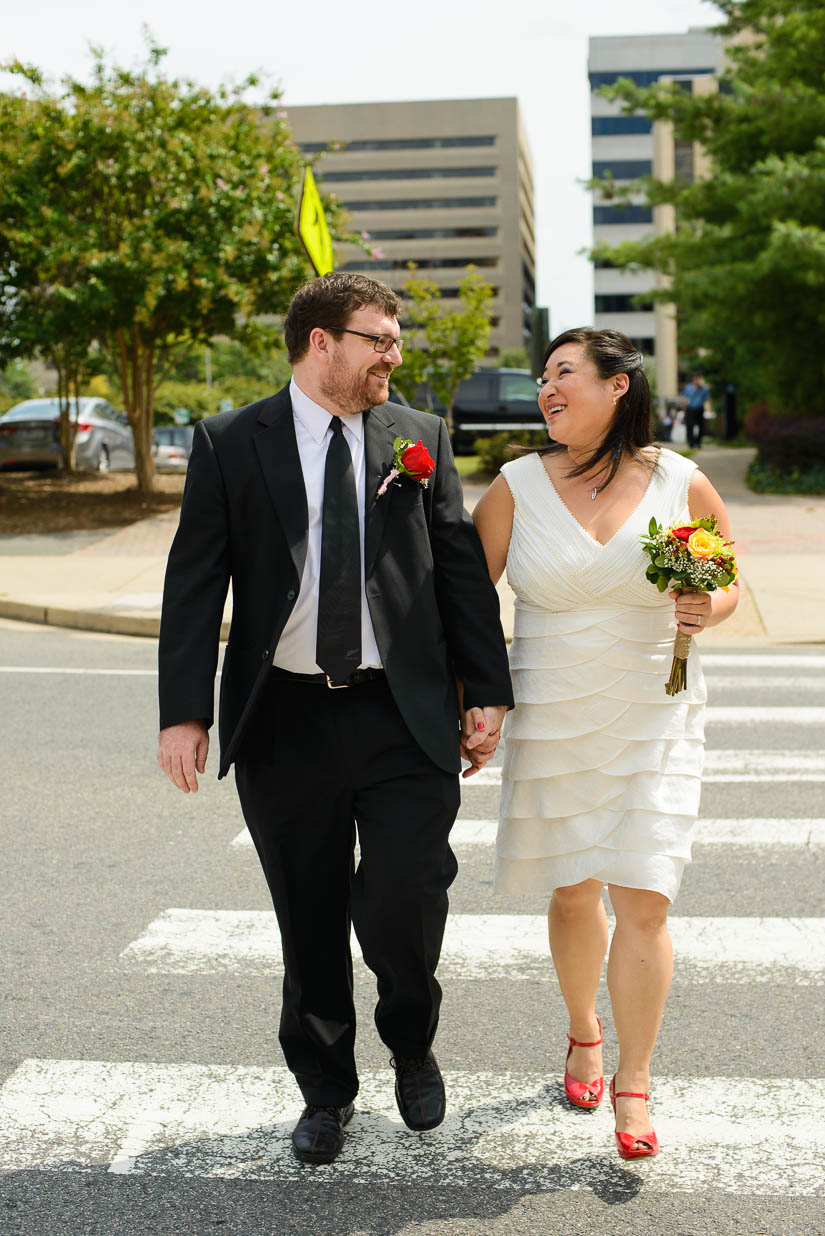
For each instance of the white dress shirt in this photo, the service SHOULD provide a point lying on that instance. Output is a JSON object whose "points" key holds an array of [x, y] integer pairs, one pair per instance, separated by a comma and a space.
{"points": [[296, 647]]}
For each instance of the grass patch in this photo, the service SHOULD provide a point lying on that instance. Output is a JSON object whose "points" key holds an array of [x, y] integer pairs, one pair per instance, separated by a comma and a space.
{"points": [[469, 468]]}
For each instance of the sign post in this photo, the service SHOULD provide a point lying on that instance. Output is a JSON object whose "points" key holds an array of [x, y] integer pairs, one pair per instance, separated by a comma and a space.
{"points": [[312, 226]]}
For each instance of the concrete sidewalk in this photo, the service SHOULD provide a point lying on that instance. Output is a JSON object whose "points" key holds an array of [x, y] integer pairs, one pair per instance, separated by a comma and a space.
{"points": [[112, 581]]}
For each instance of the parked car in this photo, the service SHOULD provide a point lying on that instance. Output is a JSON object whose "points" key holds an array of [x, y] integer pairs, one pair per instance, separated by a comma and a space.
{"points": [[490, 401], [30, 435], [172, 446]]}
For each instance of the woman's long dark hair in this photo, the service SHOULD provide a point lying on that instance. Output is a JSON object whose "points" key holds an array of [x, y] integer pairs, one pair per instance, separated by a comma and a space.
{"points": [[630, 430]]}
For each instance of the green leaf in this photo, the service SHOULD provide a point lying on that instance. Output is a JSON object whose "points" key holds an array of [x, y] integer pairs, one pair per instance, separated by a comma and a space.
{"points": [[662, 583], [652, 527]]}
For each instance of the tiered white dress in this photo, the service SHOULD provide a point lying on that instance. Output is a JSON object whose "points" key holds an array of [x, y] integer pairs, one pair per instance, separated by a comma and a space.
{"points": [[602, 770]]}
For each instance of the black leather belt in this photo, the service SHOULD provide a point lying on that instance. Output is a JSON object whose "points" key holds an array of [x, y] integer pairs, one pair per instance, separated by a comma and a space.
{"points": [[323, 680]]}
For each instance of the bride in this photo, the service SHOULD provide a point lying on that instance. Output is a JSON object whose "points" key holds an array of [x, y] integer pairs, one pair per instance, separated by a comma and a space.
{"points": [[602, 770]]}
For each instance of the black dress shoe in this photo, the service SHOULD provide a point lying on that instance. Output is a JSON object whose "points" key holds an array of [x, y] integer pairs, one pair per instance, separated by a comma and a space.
{"points": [[419, 1091], [319, 1134]]}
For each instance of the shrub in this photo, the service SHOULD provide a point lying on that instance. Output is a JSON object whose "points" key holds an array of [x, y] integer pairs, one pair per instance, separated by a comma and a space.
{"points": [[495, 449], [764, 479], [757, 416], [786, 443]]}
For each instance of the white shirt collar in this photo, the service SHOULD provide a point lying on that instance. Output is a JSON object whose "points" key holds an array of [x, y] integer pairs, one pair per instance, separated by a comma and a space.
{"points": [[317, 419]]}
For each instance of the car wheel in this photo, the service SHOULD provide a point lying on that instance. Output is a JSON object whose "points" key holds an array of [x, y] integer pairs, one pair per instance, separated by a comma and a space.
{"points": [[103, 464]]}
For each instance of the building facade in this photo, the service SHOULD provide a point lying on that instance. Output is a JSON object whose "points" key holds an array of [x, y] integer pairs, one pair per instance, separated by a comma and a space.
{"points": [[444, 184], [626, 147]]}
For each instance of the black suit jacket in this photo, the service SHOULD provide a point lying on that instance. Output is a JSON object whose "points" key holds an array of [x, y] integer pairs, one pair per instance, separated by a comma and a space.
{"points": [[244, 517]]}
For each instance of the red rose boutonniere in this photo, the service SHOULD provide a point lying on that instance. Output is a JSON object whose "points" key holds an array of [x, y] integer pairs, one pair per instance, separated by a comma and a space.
{"points": [[410, 459]]}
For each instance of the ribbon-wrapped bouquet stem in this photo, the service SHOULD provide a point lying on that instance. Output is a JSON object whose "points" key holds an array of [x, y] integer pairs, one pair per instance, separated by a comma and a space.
{"points": [[693, 558]]}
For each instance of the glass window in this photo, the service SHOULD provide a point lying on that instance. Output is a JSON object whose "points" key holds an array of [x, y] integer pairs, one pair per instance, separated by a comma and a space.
{"points": [[609, 126], [478, 388], [400, 143], [422, 203], [410, 173], [622, 214], [518, 388], [622, 169], [617, 302], [402, 263], [642, 77]]}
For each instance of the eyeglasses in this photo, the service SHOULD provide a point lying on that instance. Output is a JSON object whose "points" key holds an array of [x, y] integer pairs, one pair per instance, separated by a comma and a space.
{"points": [[380, 343]]}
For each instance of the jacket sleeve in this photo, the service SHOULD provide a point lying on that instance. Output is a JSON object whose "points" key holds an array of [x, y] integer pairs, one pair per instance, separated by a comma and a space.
{"points": [[194, 592], [467, 599]]}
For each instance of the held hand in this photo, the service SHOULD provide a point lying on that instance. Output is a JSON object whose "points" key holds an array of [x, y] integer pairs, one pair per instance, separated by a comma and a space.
{"points": [[182, 751], [481, 731], [693, 611], [481, 724]]}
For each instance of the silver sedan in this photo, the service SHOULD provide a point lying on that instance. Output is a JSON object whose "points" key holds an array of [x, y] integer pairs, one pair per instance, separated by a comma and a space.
{"points": [[30, 435]]}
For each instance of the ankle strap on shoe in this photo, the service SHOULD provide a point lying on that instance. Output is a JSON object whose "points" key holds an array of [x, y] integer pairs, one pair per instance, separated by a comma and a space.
{"points": [[575, 1042], [630, 1094]]}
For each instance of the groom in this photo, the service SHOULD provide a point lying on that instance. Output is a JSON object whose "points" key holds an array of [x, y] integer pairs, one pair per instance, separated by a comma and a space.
{"points": [[355, 615]]}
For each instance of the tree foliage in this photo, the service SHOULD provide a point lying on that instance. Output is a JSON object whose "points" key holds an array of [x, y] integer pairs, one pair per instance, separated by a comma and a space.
{"points": [[446, 344], [746, 262], [142, 215]]}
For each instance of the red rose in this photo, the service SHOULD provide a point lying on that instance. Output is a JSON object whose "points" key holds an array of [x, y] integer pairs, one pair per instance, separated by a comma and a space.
{"points": [[684, 534], [418, 461]]}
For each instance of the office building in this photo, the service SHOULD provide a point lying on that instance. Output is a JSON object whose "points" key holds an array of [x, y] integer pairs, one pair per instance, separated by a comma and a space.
{"points": [[626, 147], [445, 184]]}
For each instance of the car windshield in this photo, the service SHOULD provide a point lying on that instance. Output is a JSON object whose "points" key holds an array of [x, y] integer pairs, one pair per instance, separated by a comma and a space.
{"points": [[167, 435], [42, 410]]}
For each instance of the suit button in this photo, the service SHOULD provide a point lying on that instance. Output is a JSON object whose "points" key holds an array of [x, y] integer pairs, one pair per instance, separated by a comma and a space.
{"points": [[265, 654], [290, 596]]}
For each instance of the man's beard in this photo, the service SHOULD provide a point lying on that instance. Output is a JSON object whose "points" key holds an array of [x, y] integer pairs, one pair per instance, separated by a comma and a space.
{"points": [[352, 392]]}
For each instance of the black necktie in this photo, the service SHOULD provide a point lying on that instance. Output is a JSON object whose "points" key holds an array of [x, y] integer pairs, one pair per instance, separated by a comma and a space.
{"points": [[338, 648]]}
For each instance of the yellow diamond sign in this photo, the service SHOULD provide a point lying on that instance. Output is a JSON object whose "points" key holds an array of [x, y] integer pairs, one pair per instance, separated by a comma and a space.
{"points": [[312, 226]]}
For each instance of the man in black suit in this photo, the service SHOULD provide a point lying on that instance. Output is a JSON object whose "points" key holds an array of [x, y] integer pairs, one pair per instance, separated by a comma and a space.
{"points": [[358, 618]]}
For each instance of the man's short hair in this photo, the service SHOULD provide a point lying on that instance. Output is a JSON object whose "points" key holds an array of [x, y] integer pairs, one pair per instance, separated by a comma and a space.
{"points": [[328, 303]]}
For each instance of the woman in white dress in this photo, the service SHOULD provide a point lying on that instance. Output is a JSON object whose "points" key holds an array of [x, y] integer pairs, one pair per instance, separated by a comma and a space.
{"points": [[602, 769]]}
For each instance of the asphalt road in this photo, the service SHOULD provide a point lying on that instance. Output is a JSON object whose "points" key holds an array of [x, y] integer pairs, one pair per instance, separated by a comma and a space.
{"points": [[141, 1088]]}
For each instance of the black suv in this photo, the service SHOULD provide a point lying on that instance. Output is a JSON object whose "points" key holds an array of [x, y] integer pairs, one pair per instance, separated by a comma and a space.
{"points": [[490, 401]]}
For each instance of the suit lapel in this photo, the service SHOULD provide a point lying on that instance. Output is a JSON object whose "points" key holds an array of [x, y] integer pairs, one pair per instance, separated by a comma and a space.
{"points": [[380, 433], [277, 450]]}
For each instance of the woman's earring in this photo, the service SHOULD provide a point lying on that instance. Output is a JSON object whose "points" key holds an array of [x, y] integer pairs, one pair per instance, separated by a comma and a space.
{"points": [[615, 400]]}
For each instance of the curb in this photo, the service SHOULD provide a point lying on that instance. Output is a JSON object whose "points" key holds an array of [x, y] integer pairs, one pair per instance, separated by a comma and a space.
{"points": [[88, 619]]}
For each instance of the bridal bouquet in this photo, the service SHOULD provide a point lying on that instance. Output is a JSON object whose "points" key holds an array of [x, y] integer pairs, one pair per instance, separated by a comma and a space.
{"points": [[694, 558]]}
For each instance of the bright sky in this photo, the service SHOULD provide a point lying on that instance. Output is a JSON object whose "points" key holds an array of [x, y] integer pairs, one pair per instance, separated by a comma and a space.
{"points": [[355, 51]]}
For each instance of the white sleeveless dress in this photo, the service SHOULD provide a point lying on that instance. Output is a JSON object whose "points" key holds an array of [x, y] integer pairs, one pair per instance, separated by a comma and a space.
{"points": [[602, 770]]}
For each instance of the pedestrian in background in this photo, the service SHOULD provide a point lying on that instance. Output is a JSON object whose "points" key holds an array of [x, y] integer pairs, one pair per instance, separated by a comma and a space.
{"points": [[360, 598], [695, 402]]}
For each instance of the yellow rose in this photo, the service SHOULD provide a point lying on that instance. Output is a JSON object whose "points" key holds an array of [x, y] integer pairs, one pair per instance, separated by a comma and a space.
{"points": [[703, 544]]}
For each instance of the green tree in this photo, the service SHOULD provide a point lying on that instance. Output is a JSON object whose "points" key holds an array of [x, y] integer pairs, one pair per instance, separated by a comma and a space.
{"points": [[177, 209], [446, 344], [746, 262], [16, 381]]}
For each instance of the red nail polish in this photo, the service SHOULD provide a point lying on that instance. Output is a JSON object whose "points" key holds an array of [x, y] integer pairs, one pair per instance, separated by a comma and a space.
{"points": [[480, 725]]}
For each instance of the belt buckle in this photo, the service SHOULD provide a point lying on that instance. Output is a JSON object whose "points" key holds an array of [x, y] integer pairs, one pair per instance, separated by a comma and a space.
{"points": [[336, 686]]}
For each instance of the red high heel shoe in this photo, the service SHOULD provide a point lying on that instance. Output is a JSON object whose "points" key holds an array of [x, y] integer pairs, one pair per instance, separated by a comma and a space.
{"points": [[583, 1094], [628, 1146]]}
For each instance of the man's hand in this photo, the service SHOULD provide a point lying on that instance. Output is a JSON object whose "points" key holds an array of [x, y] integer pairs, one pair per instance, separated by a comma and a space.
{"points": [[182, 753], [480, 734]]}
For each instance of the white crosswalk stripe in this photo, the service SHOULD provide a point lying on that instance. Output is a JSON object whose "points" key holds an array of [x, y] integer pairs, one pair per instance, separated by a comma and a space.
{"points": [[494, 946], [807, 833], [750, 764], [728, 1134]]}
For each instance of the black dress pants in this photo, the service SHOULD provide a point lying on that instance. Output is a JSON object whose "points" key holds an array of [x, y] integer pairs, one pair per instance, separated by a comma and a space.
{"points": [[694, 426], [317, 765]]}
